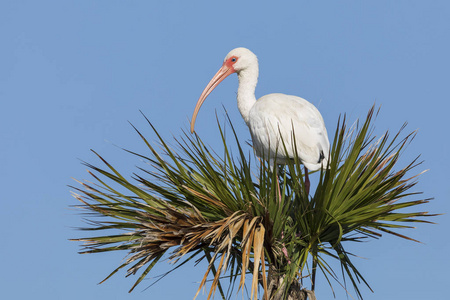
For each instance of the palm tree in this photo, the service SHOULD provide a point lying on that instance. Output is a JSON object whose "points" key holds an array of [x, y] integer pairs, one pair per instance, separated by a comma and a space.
{"points": [[248, 219]]}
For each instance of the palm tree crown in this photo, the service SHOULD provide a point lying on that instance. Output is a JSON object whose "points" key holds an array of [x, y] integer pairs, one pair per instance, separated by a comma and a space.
{"points": [[245, 217]]}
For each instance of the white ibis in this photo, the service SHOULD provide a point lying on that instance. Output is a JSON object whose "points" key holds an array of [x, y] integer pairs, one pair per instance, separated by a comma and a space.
{"points": [[273, 116]]}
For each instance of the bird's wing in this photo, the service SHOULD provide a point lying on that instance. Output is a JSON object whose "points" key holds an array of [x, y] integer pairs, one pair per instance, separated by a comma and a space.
{"points": [[276, 115]]}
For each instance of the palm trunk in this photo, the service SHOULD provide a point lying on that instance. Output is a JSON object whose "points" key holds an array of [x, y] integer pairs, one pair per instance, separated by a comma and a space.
{"points": [[276, 289]]}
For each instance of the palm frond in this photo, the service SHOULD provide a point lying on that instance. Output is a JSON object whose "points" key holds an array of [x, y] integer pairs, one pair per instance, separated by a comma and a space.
{"points": [[244, 216]]}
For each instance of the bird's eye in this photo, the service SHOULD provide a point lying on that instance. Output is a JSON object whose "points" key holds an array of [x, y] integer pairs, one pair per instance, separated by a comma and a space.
{"points": [[234, 59]]}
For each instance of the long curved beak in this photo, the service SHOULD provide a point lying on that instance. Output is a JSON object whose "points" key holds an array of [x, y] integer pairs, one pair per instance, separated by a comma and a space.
{"points": [[223, 72]]}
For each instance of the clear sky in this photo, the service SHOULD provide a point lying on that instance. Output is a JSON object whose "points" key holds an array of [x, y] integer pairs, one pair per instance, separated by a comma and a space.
{"points": [[73, 73]]}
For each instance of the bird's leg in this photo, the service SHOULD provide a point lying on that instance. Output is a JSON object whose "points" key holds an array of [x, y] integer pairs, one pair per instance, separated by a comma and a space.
{"points": [[284, 250], [307, 183], [279, 190], [276, 171]]}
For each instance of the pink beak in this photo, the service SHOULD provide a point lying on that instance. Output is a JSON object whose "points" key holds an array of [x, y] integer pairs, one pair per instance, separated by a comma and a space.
{"points": [[223, 72]]}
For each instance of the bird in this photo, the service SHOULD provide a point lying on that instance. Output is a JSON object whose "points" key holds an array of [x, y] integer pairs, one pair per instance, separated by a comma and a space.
{"points": [[281, 126]]}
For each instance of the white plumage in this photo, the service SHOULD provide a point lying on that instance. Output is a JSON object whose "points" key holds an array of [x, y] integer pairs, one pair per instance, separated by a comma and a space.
{"points": [[273, 116], [276, 114]]}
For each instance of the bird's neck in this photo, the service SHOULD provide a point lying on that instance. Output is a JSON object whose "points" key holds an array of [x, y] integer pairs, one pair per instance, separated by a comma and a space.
{"points": [[246, 91]]}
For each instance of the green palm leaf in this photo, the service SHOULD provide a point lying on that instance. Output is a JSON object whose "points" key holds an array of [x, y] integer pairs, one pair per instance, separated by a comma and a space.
{"points": [[244, 217]]}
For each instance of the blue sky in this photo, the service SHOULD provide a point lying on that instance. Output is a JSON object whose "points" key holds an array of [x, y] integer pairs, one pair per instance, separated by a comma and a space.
{"points": [[73, 73]]}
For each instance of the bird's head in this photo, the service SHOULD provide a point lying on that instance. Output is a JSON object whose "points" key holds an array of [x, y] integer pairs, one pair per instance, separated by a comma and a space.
{"points": [[240, 59], [237, 61]]}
